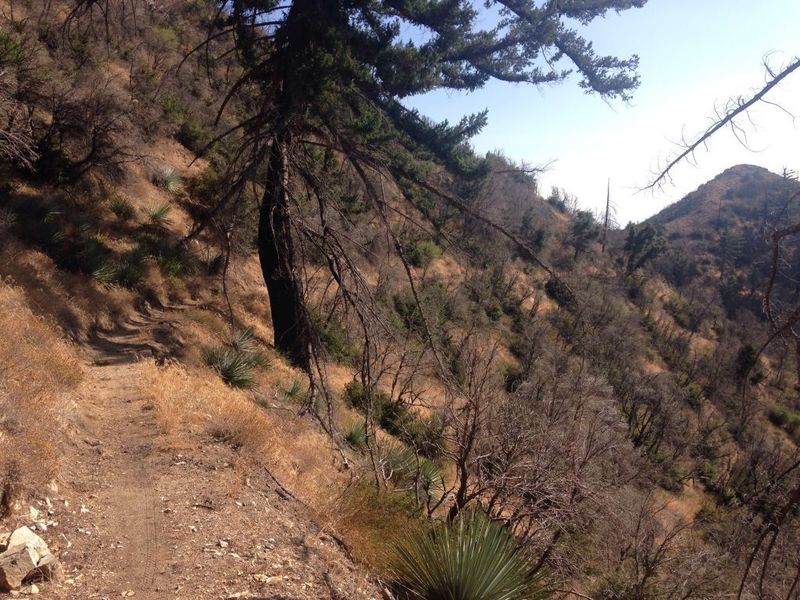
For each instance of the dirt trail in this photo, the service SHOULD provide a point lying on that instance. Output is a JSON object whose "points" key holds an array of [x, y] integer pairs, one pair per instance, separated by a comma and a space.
{"points": [[134, 517], [116, 465]]}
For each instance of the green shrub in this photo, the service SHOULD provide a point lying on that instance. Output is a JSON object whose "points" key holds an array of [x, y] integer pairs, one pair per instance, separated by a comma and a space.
{"points": [[472, 559], [423, 252], [426, 434], [10, 50], [172, 107], [558, 291], [335, 339], [193, 136], [785, 418]]}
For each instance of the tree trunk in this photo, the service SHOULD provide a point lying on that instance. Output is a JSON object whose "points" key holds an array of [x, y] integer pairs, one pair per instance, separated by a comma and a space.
{"points": [[278, 262]]}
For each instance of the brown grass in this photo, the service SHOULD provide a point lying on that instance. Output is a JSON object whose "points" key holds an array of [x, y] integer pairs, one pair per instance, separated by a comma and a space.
{"points": [[194, 406], [37, 371]]}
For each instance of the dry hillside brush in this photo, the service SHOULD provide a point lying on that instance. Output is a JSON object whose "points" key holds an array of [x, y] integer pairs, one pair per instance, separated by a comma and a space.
{"points": [[38, 370]]}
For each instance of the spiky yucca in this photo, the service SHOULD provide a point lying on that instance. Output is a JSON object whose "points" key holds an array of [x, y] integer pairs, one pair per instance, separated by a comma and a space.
{"points": [[168, 178], [159, 216], [121, 207], [235, 368], [356, 434], [236, 363], [472, 559]]}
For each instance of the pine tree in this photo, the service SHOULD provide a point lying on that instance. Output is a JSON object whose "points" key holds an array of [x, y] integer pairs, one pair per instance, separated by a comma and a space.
{"points": [[326, 80]]}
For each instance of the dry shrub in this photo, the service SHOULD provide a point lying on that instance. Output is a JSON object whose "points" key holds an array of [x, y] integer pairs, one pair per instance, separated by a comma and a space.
{"points": [[372, 523], [37, 371]]}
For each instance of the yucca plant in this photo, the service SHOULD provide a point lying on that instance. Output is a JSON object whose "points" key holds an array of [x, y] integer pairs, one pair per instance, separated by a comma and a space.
{"points": [[121, 207], [107, 273], [159, 216], [236, 363], [356, 434], [168, 178], [245, 341], [431, 479], [295, 392], [235, 368], [472, 559]]}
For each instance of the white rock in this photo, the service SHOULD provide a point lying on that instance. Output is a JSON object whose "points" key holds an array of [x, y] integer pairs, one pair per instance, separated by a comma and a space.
{"points": [[25, 537]]}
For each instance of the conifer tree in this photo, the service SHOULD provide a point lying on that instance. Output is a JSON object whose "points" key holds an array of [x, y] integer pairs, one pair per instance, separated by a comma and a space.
{"points": [[327, 78]]}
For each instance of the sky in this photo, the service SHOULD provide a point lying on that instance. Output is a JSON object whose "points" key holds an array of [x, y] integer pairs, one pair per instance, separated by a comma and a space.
{"points": [[694, 56]]}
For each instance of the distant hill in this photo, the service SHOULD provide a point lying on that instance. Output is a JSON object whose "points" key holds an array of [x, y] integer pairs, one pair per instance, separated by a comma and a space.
{"points": [[739, 196]]}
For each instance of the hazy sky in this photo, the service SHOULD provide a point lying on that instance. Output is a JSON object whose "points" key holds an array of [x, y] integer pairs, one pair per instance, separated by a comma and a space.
{"points": [[694, 54]]}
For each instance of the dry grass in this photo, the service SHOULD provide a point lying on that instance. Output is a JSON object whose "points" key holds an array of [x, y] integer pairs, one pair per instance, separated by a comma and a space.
{"points": [[37, 371], [193, 405]]}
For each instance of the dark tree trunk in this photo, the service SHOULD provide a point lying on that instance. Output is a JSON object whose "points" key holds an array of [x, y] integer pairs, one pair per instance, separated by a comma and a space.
{"points": [[278, 263]]}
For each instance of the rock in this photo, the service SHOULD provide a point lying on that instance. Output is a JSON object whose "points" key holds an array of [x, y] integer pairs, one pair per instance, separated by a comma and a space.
{"points": [[48, 569], [25, 537], [15, 564], [25, 557]]}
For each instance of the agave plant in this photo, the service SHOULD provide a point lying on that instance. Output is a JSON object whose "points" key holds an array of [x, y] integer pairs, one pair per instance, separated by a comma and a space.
{"points": [[472, 559]]}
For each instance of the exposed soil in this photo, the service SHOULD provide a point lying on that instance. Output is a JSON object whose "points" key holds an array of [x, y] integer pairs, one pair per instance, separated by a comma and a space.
{"points": [[132, 516]]}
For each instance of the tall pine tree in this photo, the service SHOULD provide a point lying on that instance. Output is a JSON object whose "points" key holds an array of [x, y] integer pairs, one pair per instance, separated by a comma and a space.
{"points": [[327, 78]]}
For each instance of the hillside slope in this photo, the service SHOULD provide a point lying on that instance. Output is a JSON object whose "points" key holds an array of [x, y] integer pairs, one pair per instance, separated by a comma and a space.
{"points": [[607, 406]]}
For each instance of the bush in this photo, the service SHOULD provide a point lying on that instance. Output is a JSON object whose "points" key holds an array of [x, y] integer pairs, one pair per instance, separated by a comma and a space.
{"points": [[473, 559], [785, 418], [335, 339], [423, 252], [560, 292], [10, 50], [193, 136]]}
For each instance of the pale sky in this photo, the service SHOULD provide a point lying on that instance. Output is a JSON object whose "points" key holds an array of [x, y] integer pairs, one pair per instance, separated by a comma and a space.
{"points": [[694, 54]]}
